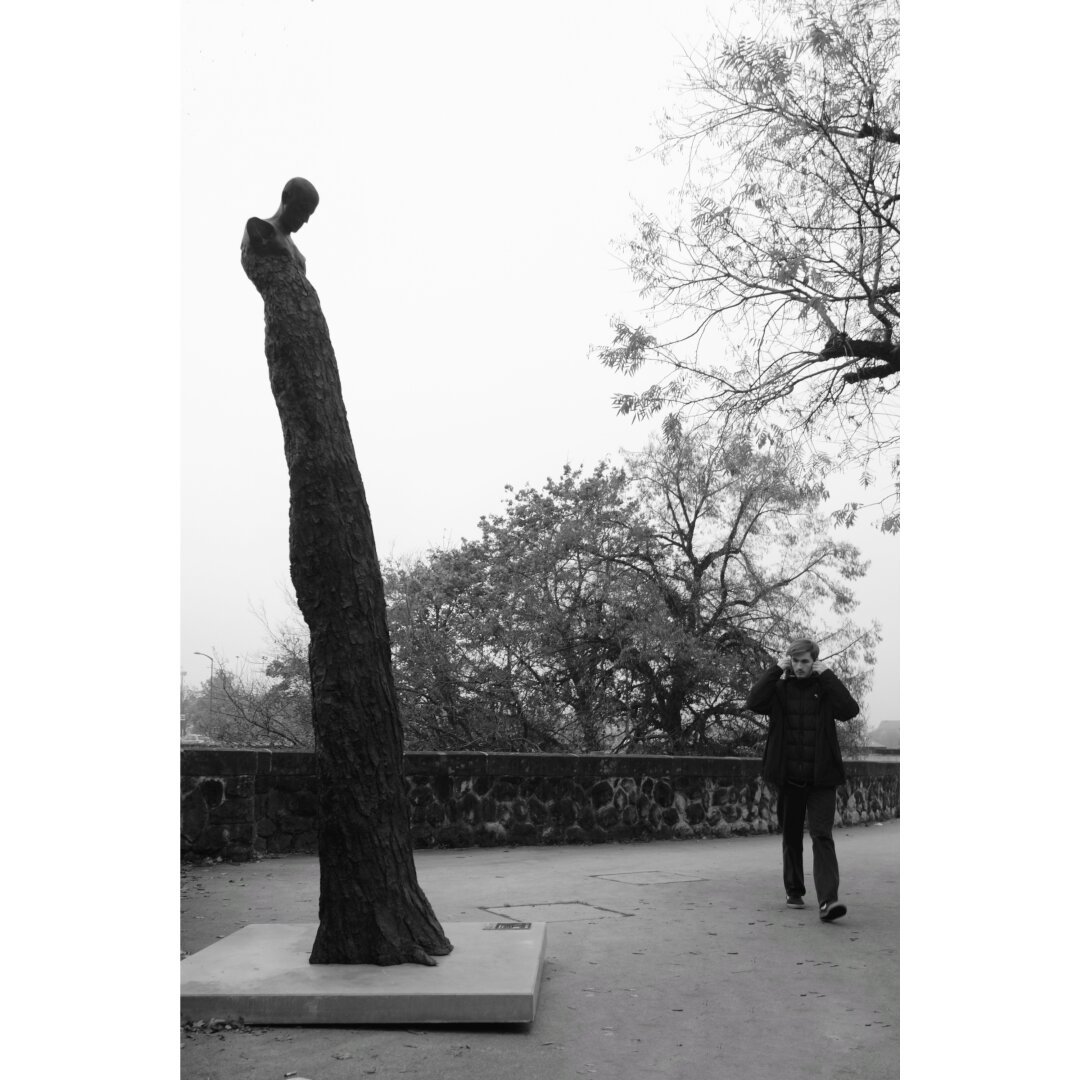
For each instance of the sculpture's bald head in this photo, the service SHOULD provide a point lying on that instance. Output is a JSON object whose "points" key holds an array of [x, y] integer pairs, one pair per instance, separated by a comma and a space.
{"points": [[299, 200]]}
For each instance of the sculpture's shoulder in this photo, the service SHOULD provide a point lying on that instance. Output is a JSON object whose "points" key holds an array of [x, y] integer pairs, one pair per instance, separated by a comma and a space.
{"points": [[263, 237]]}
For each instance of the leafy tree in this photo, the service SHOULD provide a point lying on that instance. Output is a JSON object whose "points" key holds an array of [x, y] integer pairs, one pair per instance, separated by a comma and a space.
{"points": [[625, 610], [555, 566], [739, 562], [282, 707], [202, 708], [775, 289], [505, 640], [270, 709], [453, 690]]}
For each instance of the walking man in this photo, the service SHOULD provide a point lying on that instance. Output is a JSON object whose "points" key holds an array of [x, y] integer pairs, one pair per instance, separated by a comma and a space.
{"points": [[802, 699]]}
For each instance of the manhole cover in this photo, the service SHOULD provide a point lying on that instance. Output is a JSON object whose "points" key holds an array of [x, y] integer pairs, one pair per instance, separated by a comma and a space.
{"points": [[559, 911], [648, 877]]}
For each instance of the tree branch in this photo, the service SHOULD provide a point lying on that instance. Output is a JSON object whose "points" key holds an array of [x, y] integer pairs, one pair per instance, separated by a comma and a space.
{"points": [[876, 131], [880, 371]]}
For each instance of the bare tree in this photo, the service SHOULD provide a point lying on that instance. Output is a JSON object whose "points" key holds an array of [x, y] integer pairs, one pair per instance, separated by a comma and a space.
{"points": [[776, 291]]}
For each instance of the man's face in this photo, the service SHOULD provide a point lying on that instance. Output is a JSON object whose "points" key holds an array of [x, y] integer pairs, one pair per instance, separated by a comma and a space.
{"points": [[801, 665]]}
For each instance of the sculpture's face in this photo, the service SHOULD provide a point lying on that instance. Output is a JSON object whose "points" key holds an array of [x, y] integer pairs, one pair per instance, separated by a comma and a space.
{"points": [[295, 215]]}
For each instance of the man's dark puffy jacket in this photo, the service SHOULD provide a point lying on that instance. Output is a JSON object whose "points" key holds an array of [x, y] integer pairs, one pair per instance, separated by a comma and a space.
{"points": [[767, 698]]}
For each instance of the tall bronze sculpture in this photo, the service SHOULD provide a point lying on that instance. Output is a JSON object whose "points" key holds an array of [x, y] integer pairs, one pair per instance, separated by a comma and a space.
{"points": [[371, 907]]}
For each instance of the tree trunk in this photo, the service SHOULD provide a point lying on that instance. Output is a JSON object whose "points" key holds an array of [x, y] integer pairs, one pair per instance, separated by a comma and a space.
{"points": [[371, 908]]}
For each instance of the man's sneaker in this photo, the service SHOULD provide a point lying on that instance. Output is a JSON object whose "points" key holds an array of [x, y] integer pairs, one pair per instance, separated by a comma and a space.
{"points": [[834, 909], [794, 900]]}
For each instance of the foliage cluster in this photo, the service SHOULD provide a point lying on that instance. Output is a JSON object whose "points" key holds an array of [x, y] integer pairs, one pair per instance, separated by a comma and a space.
{"points": [[625, 610]]}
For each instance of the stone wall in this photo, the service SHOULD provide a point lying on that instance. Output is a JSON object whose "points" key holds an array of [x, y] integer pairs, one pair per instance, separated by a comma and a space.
{"points": [[238, 804]]}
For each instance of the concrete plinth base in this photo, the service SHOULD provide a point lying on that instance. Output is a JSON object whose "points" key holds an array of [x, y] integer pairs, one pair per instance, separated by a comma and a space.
{"points": [[261, 975]]}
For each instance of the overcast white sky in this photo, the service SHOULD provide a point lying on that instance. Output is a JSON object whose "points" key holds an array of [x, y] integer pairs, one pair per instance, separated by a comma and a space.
{"points": [[476, 163]]}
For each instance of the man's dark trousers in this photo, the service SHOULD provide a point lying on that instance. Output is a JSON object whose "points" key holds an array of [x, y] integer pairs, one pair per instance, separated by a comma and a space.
{"points": [[795, 803]]}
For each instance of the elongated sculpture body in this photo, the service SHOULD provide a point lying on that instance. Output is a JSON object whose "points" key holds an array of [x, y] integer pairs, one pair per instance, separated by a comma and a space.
{"points": [[371, 908]]}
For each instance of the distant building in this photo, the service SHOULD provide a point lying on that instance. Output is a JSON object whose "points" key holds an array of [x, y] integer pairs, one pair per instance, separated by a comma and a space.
{"points": [[888, 733]]}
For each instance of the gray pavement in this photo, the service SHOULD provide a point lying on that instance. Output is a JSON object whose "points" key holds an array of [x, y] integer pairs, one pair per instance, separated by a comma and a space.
{"points": [[709, 976]]}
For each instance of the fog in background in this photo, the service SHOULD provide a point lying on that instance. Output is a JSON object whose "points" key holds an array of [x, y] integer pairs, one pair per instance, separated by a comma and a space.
{"points": [[476, 164]]}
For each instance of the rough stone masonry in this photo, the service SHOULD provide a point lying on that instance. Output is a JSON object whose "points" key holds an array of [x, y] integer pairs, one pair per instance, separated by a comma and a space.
{"points": [[239, 804]]}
